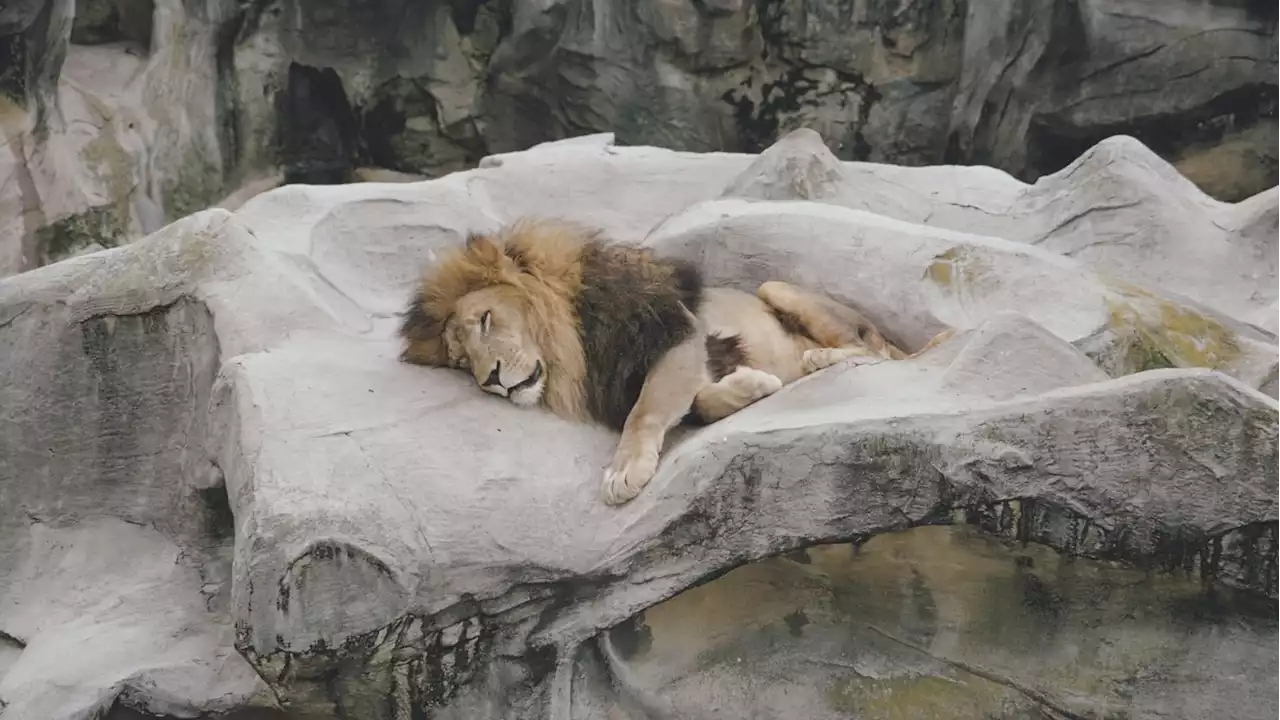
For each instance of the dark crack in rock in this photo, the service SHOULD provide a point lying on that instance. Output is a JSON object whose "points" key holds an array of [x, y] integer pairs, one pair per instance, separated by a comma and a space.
{"points": [[99, 22]]}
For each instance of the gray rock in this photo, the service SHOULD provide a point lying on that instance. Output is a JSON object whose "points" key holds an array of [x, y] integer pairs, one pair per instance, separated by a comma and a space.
{"points": [[1040, 79], [115, 533], [209, 432], [964, 625], [1135, 217], [108, 610], [111, 122], [32, 33], [1010, 355], [125, 111], [797, 167]]}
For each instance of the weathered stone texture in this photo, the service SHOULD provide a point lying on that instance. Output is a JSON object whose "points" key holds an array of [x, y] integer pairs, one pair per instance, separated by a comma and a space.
{"points": [[220, 490], [120, 115]]}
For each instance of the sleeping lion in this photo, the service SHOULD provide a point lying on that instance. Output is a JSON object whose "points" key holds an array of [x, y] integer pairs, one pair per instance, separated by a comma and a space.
{"points": [[547, 312]]}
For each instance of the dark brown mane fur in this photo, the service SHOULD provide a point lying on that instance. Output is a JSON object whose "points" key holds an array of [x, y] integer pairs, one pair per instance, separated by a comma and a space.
{"points": [[631, 311]]}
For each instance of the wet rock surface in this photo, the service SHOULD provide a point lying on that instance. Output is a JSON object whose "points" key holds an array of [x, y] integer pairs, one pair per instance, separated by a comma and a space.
{"points": [[941, 623], [121, 115], [221, 490]]}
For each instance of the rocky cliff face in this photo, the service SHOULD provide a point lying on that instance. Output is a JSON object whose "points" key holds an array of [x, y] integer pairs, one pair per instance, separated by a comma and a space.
{"points": [[119, 115]]}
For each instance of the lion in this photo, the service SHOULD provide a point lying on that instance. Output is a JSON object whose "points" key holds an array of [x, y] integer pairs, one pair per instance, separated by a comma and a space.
{"points": [[547, 312]]}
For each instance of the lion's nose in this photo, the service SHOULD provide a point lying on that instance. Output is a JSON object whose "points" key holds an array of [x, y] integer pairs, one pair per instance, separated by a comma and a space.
{"points": [[494, 378]]}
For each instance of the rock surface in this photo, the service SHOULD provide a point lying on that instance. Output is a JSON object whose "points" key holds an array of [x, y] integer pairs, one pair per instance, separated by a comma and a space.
{"points": [[109, 120], [218, 410], [940, 623], [117, 116]]}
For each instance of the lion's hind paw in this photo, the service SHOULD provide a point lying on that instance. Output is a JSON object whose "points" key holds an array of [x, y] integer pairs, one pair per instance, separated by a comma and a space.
{"points": [[822, 358]]}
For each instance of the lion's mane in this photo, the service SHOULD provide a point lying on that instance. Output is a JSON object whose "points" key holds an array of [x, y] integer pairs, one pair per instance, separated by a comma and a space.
{"points": [[602, 314]]}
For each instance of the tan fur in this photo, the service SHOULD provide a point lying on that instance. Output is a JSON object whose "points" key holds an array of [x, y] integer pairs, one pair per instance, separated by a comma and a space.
{"points": [[784, 333], [547, 308]]}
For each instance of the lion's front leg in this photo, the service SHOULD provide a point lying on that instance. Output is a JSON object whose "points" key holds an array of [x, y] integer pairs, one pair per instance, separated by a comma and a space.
{"points": [[666, 397]]}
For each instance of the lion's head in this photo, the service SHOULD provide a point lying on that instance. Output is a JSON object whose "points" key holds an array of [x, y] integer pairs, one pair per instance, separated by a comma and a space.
{"points": [[501, 307], [488, 334]]}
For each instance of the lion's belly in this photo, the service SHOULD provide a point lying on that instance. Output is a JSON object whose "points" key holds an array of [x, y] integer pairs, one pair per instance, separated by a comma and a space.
{"points": [[768, 346]]}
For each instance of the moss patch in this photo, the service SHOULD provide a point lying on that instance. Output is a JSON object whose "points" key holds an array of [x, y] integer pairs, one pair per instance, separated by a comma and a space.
{"points": [[909, 698], [939, 270], [1156, 332], [114, 169], [197, 185], [958, 266], [62, 239]]}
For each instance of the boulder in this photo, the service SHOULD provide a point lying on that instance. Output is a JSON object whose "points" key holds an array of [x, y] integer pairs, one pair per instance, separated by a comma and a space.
{"points": [[1135, 218], [210, 429]]}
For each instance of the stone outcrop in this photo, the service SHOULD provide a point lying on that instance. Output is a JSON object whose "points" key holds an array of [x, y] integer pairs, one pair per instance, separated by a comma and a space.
{"points": [[208, 435], [117, 116], [109, 117]]}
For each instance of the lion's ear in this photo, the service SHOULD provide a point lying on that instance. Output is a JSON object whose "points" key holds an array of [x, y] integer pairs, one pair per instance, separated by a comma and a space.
{"points": [[483, 248]]}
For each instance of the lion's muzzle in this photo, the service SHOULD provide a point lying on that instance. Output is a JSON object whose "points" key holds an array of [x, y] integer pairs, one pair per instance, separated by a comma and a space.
{"points": [[534, 378], [526, 392], [493, 383]]}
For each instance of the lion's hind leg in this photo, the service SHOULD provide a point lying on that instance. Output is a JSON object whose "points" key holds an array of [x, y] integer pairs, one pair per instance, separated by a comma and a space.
{"points": [[937, 340], [826, 322], [734, 392]]}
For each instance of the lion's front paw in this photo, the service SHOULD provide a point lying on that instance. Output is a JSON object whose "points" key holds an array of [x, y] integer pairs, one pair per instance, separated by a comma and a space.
{"points": [[822, 358], [627, 475]]}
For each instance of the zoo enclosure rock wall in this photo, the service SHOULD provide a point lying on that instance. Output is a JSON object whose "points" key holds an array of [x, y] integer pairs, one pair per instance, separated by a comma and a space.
{"points": [[116, 532], [121, 114], [313, 523]]}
